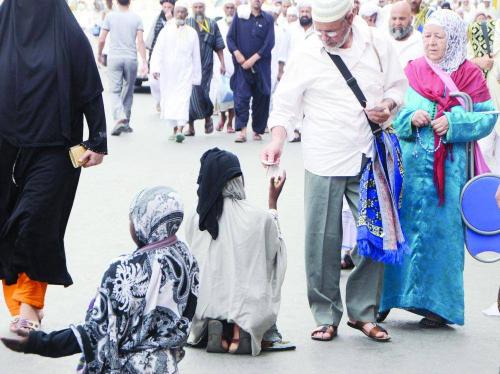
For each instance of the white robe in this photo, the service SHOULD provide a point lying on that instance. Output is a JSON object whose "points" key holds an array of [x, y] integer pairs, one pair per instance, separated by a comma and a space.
{"points": [[297, 36], [228, 62], [279, 52], [409, 49], [176, 57]]}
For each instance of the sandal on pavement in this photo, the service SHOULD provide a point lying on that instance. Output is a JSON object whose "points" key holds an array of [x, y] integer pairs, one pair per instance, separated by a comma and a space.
{"points": [[215, 333], [277, 346], [220, 126], [241, 139], [257, 137], [230, 130], [324, 329], [244, 344], [372, 334], [190, 131], [209, 126]]}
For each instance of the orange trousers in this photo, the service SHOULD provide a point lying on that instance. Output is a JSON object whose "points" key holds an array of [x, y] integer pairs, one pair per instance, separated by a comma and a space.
{"points": [[25, 291]]}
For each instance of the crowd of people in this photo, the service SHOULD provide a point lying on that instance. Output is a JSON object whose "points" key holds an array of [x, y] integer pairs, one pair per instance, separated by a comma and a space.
{"points": [[369, 91]]}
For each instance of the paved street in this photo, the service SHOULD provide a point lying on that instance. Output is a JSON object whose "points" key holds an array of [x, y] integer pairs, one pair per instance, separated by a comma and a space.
{"points": [[98, 232]]}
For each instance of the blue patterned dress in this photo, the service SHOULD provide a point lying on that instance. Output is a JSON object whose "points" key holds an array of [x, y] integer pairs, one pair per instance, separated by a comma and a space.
{"points": [[431, 276]]}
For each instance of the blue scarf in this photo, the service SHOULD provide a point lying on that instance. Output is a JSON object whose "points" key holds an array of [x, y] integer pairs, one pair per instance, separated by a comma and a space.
{"points": [[380, 236]]}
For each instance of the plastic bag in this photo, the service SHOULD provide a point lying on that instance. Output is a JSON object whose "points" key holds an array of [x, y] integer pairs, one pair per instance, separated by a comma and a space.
{"points": [[224, 94]]}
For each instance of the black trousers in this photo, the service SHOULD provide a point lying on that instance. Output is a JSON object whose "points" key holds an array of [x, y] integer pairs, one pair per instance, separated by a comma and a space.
{"points": [[37, 190]]}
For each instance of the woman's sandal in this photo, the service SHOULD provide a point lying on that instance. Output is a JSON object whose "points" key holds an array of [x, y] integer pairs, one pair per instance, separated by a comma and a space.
{"points": [[325, 330], [215, 334], [244, 344], [241, 139], [209, 126], [372, 334]]}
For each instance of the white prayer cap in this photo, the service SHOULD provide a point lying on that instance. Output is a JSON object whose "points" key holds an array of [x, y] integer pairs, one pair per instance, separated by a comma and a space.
{"points": [[368, 9], [226, 2], [292, 11], [198, 2], [330, 10], [181, 4], [267, 7], [304, 4]]}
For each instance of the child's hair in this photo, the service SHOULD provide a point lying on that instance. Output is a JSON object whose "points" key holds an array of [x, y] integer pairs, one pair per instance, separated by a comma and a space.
{"points": [[124, 2]]}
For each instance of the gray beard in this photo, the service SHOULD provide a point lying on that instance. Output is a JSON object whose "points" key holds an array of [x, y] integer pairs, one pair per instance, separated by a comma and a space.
{"points": [[401, 33]]}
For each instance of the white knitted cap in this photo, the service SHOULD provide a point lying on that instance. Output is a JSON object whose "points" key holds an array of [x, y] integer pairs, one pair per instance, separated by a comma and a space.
{"points": [[181, 4], [330, 10]]}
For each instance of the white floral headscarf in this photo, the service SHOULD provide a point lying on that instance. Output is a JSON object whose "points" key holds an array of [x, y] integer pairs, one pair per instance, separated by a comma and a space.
{"points": [[156, 214], [456, 34]]}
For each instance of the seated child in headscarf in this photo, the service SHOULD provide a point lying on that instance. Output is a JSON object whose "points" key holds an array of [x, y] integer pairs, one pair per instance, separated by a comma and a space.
{"points": [[140, 319], [242, 258]]}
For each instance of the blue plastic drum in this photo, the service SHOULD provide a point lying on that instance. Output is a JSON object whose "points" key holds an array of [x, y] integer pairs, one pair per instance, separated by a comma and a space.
{"points": [[481, 216]]}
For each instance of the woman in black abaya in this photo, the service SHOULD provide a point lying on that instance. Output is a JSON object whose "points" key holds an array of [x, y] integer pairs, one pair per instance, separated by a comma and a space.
{"points": [[48, 83]]}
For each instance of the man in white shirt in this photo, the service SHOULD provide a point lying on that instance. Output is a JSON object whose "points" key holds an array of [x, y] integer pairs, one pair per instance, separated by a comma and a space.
{"points": [[126, 33], [406, 41], [176, 63], [300, 30], [336, 141], [298, 34]]}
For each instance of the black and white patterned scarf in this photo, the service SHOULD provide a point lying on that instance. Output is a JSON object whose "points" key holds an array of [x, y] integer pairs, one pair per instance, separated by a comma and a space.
{"points": [[140, 319]]}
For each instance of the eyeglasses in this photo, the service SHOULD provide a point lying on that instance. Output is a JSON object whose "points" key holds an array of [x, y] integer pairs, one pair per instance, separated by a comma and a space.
{"points": [[330, 34]]}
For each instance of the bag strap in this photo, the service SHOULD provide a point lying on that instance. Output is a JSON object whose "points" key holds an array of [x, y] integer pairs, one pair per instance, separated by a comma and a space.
{"points": [[353, 85], [484, 29]]}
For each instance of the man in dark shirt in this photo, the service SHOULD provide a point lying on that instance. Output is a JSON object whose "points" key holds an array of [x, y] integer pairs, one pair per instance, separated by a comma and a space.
{"points": [[250, 40]]}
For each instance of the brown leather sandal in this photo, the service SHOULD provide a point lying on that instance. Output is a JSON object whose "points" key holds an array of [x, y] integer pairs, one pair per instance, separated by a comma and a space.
{"points": [[324, 329], [372, 334]]}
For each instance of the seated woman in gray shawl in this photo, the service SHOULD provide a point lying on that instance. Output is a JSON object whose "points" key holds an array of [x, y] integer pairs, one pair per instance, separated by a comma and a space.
{"points": [[140, 319], [242, 259]]}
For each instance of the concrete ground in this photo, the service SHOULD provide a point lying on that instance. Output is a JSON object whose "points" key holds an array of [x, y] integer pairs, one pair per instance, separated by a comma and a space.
{"points": [[98, 231]]}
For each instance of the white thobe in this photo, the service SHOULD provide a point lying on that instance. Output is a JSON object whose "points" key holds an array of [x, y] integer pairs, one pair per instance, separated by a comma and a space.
{"points": [[279, 53], [336, 132], [297, 36], [176, 57], [228, 62], [409, 49]]}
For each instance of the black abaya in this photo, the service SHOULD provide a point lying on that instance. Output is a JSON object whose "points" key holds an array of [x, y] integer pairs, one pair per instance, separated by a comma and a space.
{"points": [[48, 82]]}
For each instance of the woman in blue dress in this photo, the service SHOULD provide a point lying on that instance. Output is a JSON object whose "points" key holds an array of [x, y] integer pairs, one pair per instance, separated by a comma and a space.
{"points": [[434, 129]]}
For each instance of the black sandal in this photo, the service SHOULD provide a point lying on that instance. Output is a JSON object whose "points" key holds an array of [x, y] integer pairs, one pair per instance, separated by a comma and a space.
{"points": [[324, 329], [215, 334]]}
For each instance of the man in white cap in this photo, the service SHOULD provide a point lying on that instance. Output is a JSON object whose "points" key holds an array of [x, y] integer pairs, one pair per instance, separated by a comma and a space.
{"points": [[304, 27], [226, 109], [176, 64], [369, 11], [337, 140], [408, 43], [211, 41], [292, 15]]}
